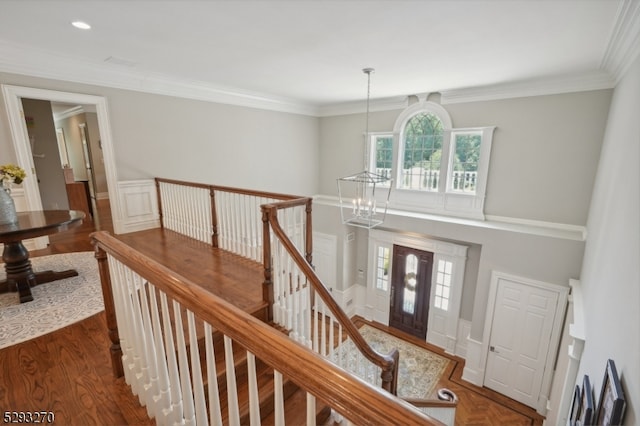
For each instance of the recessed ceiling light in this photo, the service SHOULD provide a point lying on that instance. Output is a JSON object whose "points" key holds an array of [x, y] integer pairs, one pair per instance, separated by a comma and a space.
{"points": [[81, 25]]}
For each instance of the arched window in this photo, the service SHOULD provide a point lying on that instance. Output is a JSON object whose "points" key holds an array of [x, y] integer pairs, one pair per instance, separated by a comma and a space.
{"points": [[428, 158], [422, 151]]}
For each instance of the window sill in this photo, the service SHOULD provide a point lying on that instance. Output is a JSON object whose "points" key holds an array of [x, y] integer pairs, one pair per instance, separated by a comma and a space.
{"points": [[498, 223]]}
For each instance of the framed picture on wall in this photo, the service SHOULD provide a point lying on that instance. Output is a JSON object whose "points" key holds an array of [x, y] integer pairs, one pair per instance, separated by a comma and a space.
{"points": [[587, 408], [575, 407], [612, 403]]}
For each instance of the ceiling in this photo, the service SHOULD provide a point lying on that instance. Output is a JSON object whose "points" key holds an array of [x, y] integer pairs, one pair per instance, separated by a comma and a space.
{"points": [[309, 54]]}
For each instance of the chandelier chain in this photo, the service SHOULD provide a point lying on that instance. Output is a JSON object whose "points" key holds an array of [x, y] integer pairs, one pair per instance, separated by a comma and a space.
{"points": [[367, 71]]}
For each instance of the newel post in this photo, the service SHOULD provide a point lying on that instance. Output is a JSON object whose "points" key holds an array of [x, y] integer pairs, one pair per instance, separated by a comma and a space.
{"points": [[389, 374], [110, 310], [267, 284], [159, 197], [309, 234]]}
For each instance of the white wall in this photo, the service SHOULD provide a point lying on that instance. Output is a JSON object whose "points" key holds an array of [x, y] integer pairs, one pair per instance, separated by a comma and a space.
{"points": [[611, 272]]}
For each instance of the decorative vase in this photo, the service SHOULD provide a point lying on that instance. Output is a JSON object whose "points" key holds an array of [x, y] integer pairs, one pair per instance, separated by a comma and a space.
{"points": [[8, 213]]}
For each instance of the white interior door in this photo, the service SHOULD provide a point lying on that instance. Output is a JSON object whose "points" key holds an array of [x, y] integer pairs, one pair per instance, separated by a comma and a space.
{"points": [[524, 317]]}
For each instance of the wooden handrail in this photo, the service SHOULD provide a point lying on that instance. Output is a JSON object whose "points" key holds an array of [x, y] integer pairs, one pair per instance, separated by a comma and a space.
{"points": [[358, 401], [388, 363], [275, 195]]}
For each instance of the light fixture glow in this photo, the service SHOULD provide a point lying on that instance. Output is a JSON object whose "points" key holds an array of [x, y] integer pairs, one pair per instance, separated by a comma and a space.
{"points": [[81, 25]]}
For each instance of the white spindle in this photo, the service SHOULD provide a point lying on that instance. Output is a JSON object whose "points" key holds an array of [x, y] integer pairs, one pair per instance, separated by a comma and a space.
{"points": [[254, 399], [138, 337], [215, 411], [311, 410], [163, 397], [183, 364], [123, 320], [150, 356], [232, 389], [278, 399], [177, 408], [196, 371]]}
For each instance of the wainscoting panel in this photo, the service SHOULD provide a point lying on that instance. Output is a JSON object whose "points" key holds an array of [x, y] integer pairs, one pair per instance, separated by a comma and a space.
{"points": [[139, 204], [464, 329]]}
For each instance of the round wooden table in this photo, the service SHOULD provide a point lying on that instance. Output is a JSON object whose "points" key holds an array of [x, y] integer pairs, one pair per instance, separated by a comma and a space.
{"points": [[32, 224]]}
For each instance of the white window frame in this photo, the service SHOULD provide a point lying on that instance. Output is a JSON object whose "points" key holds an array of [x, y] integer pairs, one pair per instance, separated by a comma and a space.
{"points": [[445, 200]]}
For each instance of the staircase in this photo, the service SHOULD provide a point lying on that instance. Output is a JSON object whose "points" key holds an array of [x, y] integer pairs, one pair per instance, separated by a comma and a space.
{"points": [[295, 398]]}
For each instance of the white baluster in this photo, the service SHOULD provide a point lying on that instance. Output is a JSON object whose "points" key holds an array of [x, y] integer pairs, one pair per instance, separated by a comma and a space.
{"points": [[151, 387], [254, 398], [164, 398], [278, 407], [183, 364], [196, 372], [177, 407], [232, 390], [311, 410], [215, 412]]}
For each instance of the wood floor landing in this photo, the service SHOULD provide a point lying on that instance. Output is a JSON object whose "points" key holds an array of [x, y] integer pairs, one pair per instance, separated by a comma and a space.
{"points": [[236, 279]]}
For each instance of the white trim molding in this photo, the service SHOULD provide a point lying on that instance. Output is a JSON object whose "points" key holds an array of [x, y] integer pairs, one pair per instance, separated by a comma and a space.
{"points": [[499, 223], [13, 100]]}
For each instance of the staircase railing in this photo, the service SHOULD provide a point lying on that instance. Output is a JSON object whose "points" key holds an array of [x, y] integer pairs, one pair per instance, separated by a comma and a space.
{"points": [[304, 307], [281, 238], [225, 217], [173, 334], [230, 218]]}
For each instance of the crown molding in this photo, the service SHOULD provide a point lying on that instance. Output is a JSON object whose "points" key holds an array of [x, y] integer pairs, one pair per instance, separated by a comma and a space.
{"points": [[623, 48], [356, 107], [23, 60], [624, 42], [587, 81]]}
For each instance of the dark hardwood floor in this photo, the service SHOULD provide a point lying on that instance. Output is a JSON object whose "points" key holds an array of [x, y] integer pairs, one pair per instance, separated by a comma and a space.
{"points": [[68, 372]]}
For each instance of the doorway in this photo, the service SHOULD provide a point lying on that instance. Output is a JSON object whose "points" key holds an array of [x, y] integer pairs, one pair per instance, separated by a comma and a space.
{"points": [[32, 200], [524, 319], [410, 290]]}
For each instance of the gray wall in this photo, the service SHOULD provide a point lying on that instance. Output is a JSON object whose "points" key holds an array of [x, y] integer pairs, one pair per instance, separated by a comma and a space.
{"points": [[611, 275], [171, 137], [543, 160]]}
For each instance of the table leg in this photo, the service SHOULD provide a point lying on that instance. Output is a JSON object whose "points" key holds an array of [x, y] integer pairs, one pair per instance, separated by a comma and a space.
{"points": [[20, 275]]}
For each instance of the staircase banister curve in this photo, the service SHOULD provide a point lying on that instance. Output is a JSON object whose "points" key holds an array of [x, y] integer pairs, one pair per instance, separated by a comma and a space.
{"points": [[389, 362], [355, 399]]}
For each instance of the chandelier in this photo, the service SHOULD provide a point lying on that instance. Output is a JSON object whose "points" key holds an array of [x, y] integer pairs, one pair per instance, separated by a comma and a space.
{"points": [[364, 196]]}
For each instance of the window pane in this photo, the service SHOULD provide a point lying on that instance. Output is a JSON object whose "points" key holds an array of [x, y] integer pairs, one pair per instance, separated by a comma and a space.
{"points": [[443, 284], [422, 147], [410, 281], [383, 155], [382, 268], [465, 163]]}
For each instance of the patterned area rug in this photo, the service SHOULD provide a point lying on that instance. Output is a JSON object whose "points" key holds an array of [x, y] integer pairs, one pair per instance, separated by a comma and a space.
{"points": [[419, 370], [56, 304]]}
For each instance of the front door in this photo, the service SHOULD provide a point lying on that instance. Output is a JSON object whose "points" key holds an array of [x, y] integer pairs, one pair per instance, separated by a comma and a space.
{"points": [[410, 290]]}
